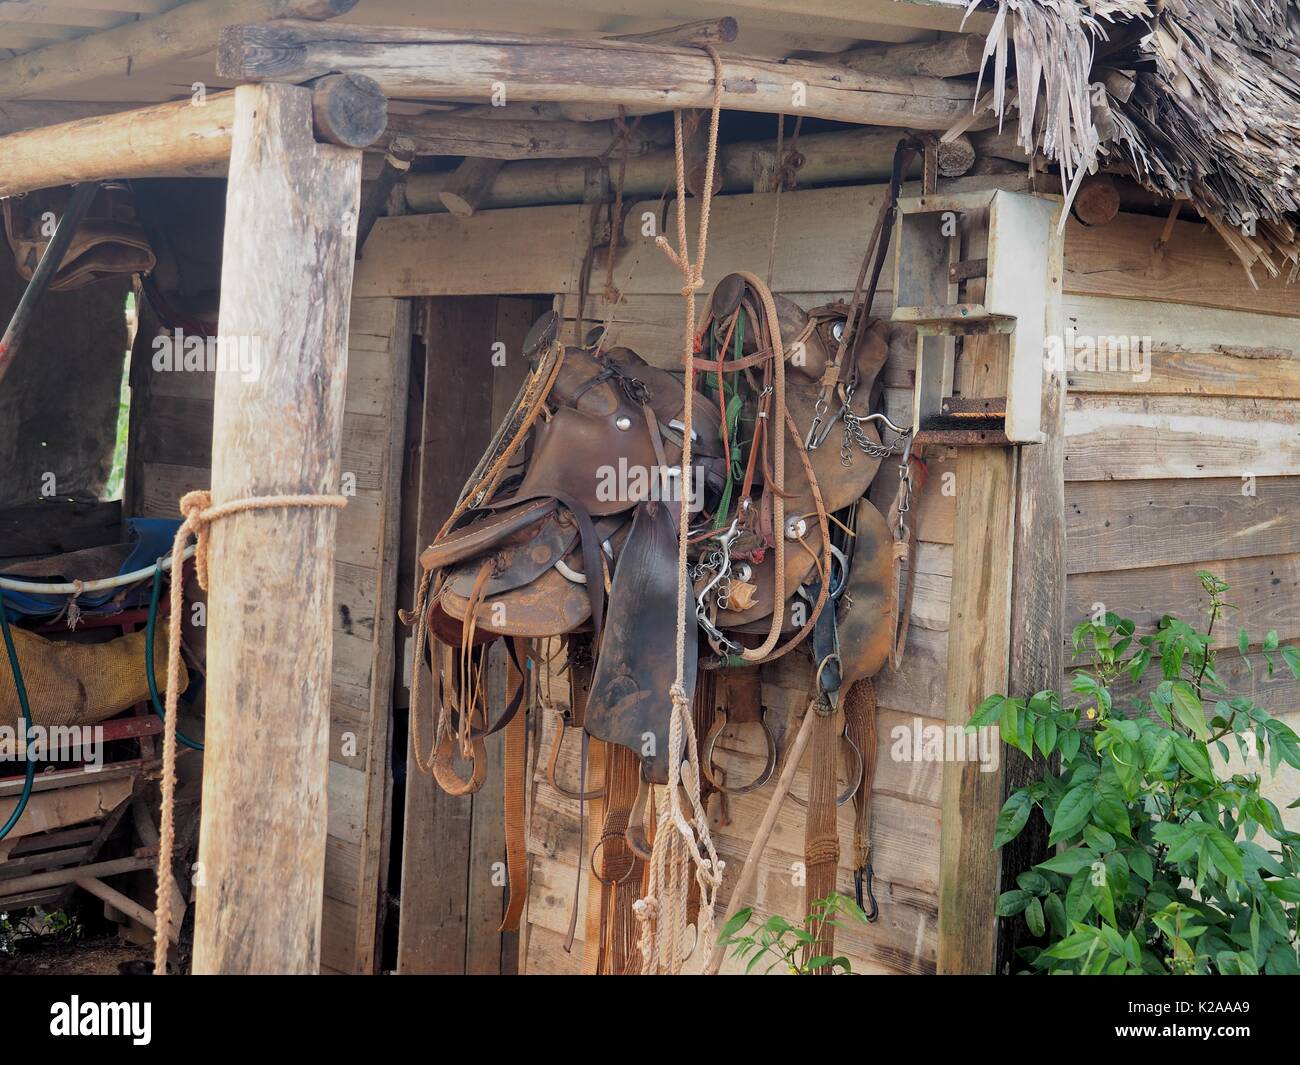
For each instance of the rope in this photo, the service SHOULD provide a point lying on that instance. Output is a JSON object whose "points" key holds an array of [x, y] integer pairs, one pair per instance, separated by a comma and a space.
{"points": [[665, 905], [199, 512]]}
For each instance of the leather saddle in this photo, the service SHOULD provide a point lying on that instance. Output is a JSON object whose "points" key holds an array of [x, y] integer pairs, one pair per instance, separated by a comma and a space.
{"points": [[570, 523], [108, 241]]}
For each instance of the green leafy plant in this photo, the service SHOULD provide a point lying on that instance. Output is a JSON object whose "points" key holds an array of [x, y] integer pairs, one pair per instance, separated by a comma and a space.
{"points": [[782, 944], [1166, 863], [57, 926]]}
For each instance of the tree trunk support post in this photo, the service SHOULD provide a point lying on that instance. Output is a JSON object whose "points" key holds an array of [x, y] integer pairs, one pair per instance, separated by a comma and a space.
{"points": [[291, 218]]}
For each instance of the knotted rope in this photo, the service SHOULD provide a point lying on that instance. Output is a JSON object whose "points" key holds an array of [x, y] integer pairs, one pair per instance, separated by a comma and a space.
{"points": [[199, 514], [663, 912]]}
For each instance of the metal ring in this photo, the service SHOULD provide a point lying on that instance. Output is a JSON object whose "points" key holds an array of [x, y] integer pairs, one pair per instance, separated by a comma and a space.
{"points": [[591, 860]]}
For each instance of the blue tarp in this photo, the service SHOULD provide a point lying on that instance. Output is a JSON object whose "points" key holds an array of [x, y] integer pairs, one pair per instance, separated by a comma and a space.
{"points": [[151, 539]]}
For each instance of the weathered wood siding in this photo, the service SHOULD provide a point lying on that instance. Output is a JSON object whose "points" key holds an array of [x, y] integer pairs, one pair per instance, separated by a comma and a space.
{"points": [[1154, 473]]}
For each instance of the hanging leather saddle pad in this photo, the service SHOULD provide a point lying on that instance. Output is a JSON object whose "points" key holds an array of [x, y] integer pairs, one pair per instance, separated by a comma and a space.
{"points": [[865, 620], [629, 702]]}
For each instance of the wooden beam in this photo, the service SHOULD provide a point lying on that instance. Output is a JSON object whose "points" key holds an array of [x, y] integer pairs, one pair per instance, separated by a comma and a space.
{"points": [[185, 31], [432, 64], [291, 210], [842, 157], [440, 134], [16, 115], [464, 190], [706, 31], [349, 110], [937, 59], [122, 902], [166, 140], [176, 139], [58, 877]]}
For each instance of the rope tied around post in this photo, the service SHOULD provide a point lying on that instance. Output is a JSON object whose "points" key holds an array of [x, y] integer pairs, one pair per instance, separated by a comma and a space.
{"points": [[199, 512]]}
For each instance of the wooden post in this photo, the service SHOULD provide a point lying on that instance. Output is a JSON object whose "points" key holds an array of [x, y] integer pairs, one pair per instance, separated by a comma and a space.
{"points": [[1037, 599], [979, 634], [291, 214], [1009, 548]]}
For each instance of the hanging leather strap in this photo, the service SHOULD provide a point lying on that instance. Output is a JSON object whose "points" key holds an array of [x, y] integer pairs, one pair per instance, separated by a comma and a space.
{"points": [[860, 724], [516, 771], [821, 835], [903, 588]]}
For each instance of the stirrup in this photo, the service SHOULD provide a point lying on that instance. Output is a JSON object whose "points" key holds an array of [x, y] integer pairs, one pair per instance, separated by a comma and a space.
{"points": [[444, 766], [552, 778], [855, 778], [706, 756]]}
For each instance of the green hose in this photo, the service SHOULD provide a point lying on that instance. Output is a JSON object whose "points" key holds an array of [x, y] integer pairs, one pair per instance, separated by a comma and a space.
{"points": [[154, 596], [30, 775]]}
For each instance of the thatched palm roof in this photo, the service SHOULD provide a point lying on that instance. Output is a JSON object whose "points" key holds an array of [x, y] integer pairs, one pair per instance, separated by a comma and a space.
{"points": [[1198, 99]]}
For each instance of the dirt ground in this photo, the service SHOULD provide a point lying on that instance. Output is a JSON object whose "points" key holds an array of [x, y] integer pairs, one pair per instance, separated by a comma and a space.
{"points": [[86, 957]]}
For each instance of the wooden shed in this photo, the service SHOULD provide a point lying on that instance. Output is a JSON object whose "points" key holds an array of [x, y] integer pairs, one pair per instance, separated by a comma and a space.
{"points": [[384, 198]]}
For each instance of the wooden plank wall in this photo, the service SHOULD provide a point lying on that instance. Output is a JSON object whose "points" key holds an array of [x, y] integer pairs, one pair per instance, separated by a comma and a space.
{"points": [[170, 454], [1154, 473], [452, 901]]}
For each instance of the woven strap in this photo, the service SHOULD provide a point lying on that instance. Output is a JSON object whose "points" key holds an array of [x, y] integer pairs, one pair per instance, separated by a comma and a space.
{"points": [[516, 781]]}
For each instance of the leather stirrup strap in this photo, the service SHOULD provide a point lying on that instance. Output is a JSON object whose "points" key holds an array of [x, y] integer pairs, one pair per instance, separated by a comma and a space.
{"points": [[515, 770], [821, 835], [572, 932], [860, 712], [598, 897]]}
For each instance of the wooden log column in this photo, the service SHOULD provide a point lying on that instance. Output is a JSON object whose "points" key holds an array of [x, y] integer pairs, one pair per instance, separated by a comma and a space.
{"points": [[291, 215]]}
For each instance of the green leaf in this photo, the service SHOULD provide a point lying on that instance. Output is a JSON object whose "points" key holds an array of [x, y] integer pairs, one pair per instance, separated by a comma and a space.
{"points": [[1243, 641], [1011, 903], [1072, 946], [1223, 852], [1188, 709], [987, 712], [1111, 811], [1072, 813], [1045, 735], [1160, 751], [1054, 908], [1194, 758], [1034, 918], [1287, 890], [1098, 839], [1034, 883], [1140, 862], [1069, 862], [1283, 741], [737, 922], [1291, 656], [1014, 815]]}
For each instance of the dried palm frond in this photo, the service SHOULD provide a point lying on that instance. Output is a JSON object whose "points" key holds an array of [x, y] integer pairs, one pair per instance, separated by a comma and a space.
{"points": [[1209, 109]]}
